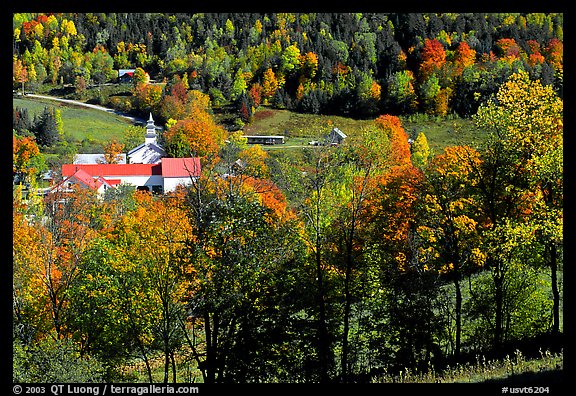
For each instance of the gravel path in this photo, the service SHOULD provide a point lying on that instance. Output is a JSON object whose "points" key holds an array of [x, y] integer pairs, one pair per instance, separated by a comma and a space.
{"points": [[92, 106]]}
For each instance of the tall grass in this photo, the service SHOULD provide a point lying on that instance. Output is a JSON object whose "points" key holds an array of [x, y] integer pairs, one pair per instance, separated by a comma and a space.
{"points": [[486, 370]]}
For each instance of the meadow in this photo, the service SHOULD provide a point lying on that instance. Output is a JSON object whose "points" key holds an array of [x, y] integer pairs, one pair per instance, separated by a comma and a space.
{"points": [[80, 123]]}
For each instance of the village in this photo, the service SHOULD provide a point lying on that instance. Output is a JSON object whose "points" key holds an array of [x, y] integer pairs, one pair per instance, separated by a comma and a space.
{"points": [[147, 166]]}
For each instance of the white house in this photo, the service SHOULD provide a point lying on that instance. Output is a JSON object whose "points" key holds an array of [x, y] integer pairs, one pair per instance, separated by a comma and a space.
{"points": [[157, 178], [149, 152], [96, 159]]}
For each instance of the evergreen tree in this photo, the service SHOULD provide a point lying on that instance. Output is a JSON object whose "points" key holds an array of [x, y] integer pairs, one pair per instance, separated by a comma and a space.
{"points": [[46, 128]]}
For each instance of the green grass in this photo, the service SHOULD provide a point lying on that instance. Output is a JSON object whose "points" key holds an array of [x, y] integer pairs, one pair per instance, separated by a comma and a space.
{"points": [[79, 122], [301, 128], [267, 121], [444, 132]]}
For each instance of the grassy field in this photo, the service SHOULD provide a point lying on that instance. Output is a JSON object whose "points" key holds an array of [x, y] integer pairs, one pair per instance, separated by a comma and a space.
{"points": [[514, 369], [299, 129], [83, 123], [79, 122]]}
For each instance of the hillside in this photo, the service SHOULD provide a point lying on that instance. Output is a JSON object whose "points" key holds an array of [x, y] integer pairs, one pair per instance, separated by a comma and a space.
{"points": [[426, 245], [352, 64]]}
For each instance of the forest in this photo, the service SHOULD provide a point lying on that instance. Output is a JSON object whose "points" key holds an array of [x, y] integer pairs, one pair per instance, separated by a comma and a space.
{"points": [[353, 263]]}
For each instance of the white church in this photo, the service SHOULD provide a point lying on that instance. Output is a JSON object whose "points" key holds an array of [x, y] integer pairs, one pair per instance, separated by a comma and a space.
{"points": [[147, 168], [149, 152]]}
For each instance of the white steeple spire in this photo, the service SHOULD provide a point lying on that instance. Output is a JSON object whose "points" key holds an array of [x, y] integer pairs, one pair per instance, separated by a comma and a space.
{"points": [[150, 131]]}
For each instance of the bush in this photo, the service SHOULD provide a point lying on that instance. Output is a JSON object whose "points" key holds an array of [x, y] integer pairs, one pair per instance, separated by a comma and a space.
{"points": [[54, 361]]}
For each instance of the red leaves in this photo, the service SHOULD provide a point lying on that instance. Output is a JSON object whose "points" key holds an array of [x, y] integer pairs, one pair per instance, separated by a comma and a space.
{"points": [[433, 57]]}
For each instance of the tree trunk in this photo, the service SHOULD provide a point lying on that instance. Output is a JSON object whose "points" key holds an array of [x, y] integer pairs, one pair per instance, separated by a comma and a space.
{"points": [[143, 352], [322, 331], [458, 315], [166, 360], [347, 308], [173, 359], [499, 296], [344, 359], [209, 368], [555, 291]]}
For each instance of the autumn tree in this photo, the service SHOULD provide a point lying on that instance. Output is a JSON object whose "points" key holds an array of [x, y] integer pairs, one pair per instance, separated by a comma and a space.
{"points": [[19, 74], [464, 56], [57, 245], [521, 117], [140, 77], [448, 225], [524, 154], [113, 151], [147, 97], [199, 136], [134, 282], [433, 57], [27, 161], [239, 247], [269, 84], [399, 288], [420, 151], [399, 153]]}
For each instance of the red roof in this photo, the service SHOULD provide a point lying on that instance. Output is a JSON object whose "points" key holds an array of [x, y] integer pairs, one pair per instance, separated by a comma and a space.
{"points": [[86, 179], [113, 169], [169, 167], [180, 167]]}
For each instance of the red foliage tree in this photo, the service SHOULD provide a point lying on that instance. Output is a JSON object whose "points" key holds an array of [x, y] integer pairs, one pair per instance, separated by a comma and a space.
{"points": [[433, 57]]}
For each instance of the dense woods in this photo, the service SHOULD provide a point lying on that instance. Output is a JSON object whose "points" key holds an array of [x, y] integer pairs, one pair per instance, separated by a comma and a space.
{"points": [[348, 263], [361, 65]]}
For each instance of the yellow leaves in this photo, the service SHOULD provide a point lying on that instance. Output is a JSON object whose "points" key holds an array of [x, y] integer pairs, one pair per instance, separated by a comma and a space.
{"points": [[446, 268], [477, 257], [456, 205], [465, 224], [401, 261]]}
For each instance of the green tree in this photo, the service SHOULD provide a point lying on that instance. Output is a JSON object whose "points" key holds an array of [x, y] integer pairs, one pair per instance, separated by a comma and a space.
{"points": [[401, 95], [54, 361], [239, 246], [133, 136]]}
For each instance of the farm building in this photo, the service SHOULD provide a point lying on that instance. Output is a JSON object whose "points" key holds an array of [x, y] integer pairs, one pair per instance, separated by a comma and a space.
{"points": [[125, 75], [336, 136], [265, 139]]}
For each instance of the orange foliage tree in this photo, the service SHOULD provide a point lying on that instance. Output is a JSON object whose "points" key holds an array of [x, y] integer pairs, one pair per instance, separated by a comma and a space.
{"points": [[399, 146], [25, 156], [46, 255], [197, 136], [112, 151]]}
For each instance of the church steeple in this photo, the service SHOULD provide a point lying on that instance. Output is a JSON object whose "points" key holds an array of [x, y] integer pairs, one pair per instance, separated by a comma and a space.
{"points": [[150, 131]]}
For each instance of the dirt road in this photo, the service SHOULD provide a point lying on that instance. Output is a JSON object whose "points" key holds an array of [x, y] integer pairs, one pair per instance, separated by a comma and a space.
{"points": [[92, 106]]}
